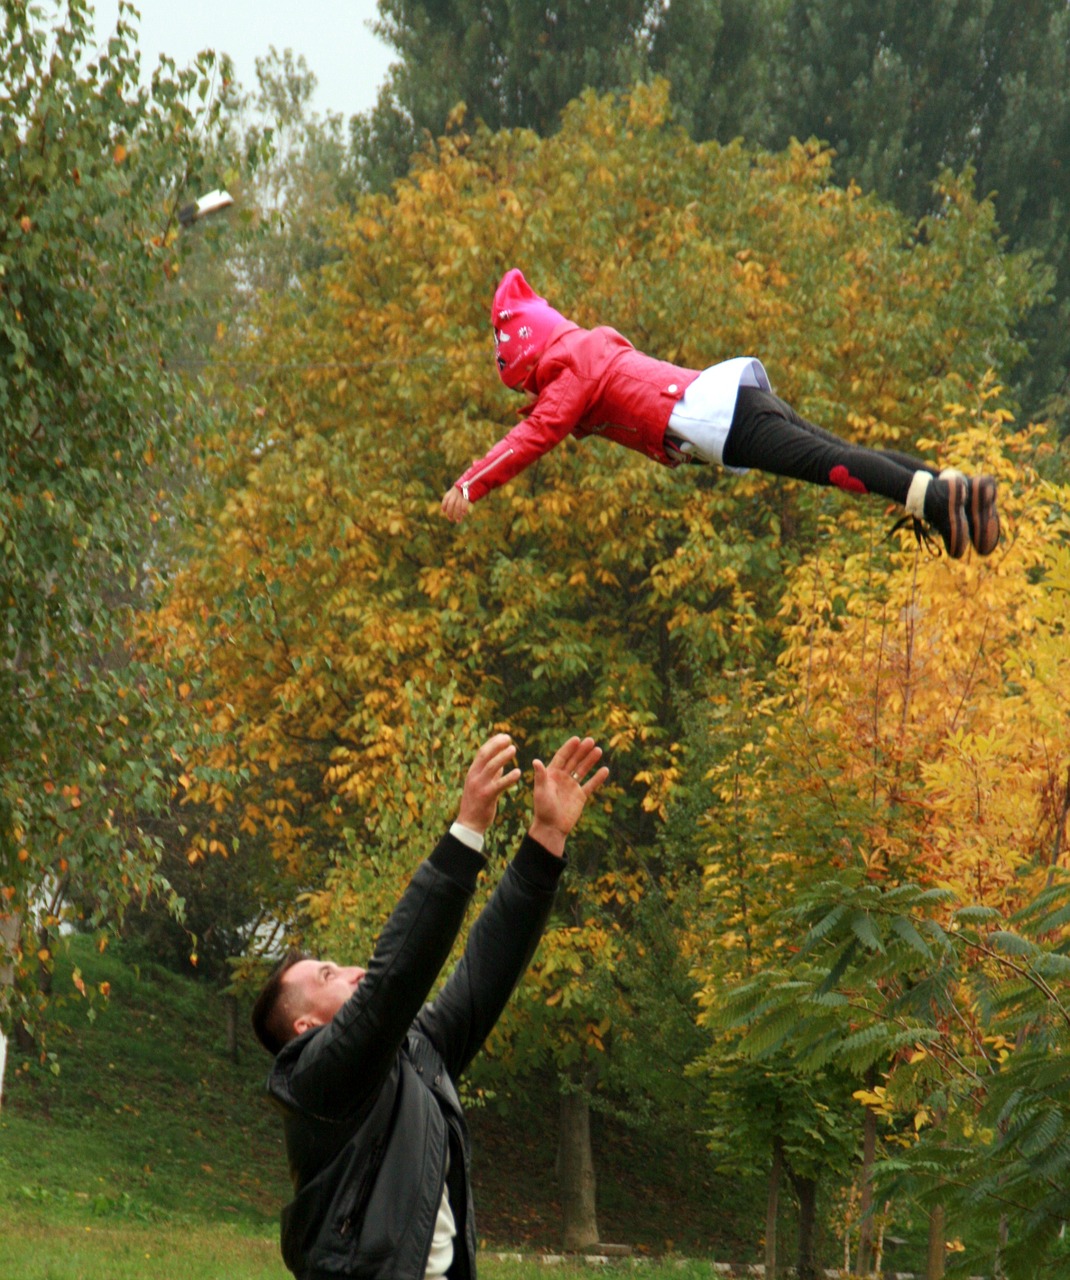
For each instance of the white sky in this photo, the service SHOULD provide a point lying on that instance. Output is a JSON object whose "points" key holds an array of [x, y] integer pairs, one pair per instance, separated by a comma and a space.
{"points": [[348, 61]]}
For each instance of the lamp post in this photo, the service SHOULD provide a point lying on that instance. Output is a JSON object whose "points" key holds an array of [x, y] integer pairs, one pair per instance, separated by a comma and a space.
{"points": [[213, 202]]}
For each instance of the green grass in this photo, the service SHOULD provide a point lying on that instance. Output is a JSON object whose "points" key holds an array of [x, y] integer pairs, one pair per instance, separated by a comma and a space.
{"points": [[153, 1154], [148, 1120], [533, 1268], [42, 1250], [108, 1252]]}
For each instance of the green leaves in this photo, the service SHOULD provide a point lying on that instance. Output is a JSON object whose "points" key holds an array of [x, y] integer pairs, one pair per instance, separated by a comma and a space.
{"points": [[880, 981], [900, 102], [92, 422]]}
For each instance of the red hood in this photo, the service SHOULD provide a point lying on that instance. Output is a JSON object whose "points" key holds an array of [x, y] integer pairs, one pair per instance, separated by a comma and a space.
{"points": [[523, 323]]}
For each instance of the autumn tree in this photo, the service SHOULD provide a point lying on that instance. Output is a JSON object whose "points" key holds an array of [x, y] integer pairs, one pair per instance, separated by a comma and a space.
{"points": [[915, 734], [349, 647], [964, 1006], [288, 175], [93, 171]]}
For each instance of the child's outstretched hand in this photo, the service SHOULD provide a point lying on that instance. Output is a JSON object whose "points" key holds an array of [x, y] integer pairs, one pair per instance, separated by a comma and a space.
{"points": [[455, 505]]}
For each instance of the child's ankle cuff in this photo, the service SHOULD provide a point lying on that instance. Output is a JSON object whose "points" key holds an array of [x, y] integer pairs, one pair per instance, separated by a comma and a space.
{"points": [[919, 486]]}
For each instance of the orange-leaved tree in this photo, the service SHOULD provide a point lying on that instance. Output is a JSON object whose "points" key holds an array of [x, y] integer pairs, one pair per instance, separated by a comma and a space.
{"points": [[916, 733], [351, 646]]}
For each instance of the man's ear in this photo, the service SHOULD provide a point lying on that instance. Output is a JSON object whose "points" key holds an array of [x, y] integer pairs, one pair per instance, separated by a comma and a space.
{"points": [[305, 1023]]}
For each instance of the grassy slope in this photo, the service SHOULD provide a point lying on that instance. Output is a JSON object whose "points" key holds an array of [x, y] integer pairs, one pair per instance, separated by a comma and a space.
{"points": [[149, 1127], [147, 1120]]}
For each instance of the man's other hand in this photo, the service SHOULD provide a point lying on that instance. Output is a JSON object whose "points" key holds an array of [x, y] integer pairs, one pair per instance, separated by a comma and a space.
{"points": [[562, 789], [486, 781]]}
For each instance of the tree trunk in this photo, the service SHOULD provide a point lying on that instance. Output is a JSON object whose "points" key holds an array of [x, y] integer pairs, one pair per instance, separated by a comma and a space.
{"points": [[997, 1262], [772, 1205], [864, 1262], [934, 1266], [575, 1169], [9, 941], [24, 1039], [806, 1192], [878, 1248], [230, 1005]]}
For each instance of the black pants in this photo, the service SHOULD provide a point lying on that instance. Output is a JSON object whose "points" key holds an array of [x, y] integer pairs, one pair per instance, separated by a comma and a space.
{"points": [[768, 435]]}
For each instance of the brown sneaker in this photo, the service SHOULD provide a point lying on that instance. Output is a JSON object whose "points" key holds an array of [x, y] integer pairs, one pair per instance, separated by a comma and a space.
{"points": [[945, 511], [981, 514]]}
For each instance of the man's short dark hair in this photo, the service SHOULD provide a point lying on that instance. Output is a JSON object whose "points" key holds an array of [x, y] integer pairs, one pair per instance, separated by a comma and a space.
{"points": [[274, 1010]]}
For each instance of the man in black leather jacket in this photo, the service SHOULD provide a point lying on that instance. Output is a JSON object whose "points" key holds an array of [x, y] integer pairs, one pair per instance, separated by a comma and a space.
{"points": [[365, 1072]]}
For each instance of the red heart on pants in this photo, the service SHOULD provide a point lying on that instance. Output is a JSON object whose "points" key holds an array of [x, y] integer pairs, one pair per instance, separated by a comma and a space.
{"points": [[842, 479]]}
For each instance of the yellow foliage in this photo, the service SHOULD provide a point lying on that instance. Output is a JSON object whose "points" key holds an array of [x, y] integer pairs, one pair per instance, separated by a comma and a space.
{"points": [[923, 731], [350, 648]]}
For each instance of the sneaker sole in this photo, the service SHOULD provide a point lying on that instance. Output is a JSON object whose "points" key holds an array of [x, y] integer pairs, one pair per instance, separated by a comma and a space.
{"points": [[955, 533], [958, 525], [982, 515]]}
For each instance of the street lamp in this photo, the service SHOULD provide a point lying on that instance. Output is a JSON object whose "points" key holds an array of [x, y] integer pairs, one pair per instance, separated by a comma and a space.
{"points": [[202, 208]]}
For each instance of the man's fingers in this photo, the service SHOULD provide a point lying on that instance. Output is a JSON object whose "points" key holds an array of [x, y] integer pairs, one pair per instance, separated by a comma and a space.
{"points": [[500, 744], [589, 757], [506, 781], [578, 757], [499, 751], [595, 781], [491, 759], [562, 757], [489, 774]]}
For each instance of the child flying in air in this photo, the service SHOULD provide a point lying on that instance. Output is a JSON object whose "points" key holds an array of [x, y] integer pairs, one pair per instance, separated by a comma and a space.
{"points": [[593, 381]]}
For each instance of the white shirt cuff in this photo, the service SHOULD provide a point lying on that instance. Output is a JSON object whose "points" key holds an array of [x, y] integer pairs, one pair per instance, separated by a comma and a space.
{"points": [[473, 839]]}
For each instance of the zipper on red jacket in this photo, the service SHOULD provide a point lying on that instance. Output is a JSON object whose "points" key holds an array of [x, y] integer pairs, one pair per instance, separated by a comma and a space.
{"points": [[479, 474]]}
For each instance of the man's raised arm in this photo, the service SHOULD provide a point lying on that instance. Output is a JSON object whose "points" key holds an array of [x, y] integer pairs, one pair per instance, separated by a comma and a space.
{"points": [[356, 1043], [503, 939]]}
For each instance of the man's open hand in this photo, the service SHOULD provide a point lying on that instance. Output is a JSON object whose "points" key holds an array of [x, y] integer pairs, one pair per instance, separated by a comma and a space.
{"points": [[562, 789], [486, 781]]}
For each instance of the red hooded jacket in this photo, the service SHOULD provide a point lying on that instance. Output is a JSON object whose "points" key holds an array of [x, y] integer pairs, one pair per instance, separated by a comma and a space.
{"points": [[586, 381]]}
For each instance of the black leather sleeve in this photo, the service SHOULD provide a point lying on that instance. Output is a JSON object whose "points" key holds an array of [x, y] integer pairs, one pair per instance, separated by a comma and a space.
{"points": [[333, 1071], [499, 948]]}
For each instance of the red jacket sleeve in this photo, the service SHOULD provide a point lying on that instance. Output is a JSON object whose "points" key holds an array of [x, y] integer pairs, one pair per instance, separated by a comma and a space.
{"points": [[558, 411]]}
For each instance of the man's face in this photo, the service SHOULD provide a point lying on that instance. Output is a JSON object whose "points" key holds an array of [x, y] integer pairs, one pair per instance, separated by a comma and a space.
{"points": [[319, 988]]}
